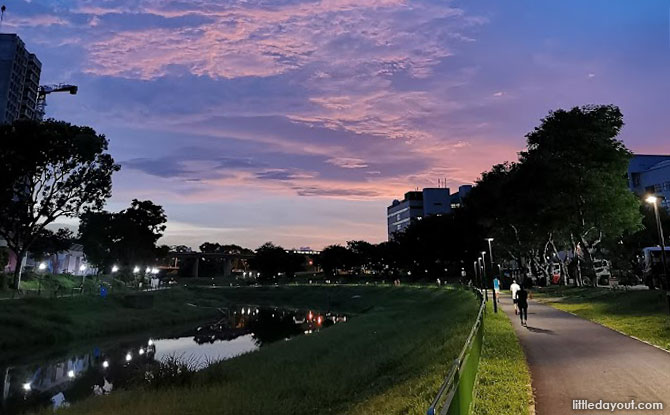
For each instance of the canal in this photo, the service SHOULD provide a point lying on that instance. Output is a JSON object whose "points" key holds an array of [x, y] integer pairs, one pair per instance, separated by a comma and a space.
{"points": [[56, 377]]}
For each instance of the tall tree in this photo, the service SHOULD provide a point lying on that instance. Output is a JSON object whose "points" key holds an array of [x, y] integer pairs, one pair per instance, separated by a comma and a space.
{"points": [[48, 170], [582, 187], [128, 237]]}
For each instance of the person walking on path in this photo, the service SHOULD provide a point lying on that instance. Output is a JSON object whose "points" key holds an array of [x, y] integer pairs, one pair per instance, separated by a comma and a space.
{"points": [[522, 303], [514, 288]]}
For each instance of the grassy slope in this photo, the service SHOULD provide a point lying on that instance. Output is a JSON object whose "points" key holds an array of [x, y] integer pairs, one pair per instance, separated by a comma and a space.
{"points": [[503, 383], [389, 359], [643, 314], [34, 321]]}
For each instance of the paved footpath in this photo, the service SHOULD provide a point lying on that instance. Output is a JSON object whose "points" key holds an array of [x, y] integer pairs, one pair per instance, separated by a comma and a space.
{"points": [[572, 358]]}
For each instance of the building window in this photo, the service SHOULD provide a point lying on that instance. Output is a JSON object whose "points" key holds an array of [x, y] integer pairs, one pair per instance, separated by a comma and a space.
{"points": [[636, 179]]}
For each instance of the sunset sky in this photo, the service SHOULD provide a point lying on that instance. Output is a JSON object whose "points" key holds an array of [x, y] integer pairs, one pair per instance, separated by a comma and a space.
{"points": [[299, 121]]}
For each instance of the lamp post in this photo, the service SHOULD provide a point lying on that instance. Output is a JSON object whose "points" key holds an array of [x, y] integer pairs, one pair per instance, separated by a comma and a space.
{"points": [[653, 200], [479, 272], [484, 282], [474, 280], [495, 299]]}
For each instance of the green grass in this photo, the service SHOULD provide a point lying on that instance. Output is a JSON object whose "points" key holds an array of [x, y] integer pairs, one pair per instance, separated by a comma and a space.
{"points": [[643, 314], [39, 321], [503, 384], [52, 285], [389, 358]]}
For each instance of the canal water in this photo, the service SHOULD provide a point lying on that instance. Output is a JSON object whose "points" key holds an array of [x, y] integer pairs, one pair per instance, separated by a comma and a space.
{"points": [[53, 378]]}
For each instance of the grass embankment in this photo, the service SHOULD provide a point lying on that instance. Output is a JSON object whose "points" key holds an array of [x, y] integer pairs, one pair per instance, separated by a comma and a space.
{"points": [[390, 358], [38, 321], [643, 314], [503, 383], [53, 285]]}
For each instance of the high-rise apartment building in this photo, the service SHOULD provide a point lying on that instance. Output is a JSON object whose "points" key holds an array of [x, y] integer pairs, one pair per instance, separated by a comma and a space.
{"points": [[19, 79]]}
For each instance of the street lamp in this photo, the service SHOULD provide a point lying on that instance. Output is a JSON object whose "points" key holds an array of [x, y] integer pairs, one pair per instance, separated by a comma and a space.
{"points": [[489, 240], [653, 200], [115, 268], [495, 300], [486, 292]]}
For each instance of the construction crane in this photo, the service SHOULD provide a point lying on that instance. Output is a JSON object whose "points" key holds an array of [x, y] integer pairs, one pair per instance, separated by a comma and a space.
{"points": [[45, 90]]}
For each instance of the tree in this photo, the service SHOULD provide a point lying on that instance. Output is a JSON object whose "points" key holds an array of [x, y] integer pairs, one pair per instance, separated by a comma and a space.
{"points": [[217, 265], [438, 246], [582, 187], [48, 170], [181, 248], [334, 258], [128, 237], [50, 243], [270, 260]]}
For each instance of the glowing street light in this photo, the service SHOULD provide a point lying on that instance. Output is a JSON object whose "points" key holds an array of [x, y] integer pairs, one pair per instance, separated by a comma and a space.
{"points": [[70, 374], [129, 357], [136, 270], [653, 200], [26, 387], [105, 364], [42, 266], [82, 267], [115, 268]]}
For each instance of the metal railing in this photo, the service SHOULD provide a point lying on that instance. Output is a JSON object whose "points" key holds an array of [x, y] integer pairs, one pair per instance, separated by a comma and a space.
{"points": [[455, 396]]}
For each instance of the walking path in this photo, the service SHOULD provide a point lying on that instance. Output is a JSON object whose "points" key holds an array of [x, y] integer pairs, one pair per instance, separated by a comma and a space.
{"points": [[572, 358]]}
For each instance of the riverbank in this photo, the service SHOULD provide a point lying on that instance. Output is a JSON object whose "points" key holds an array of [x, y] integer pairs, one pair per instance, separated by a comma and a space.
{"points": [[503, 381], [390, 357], [31, 322], [640, 313]]}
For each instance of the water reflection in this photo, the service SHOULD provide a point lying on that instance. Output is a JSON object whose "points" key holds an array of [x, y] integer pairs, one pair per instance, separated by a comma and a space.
{"points": [[29, 381]]}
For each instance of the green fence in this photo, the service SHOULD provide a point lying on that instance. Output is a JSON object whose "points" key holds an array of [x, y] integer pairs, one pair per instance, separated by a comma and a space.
{"points": [[456, 393]]}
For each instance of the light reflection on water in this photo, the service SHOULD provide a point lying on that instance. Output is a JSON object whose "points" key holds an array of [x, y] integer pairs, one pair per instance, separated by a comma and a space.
{"points": [[35, 380], [207, 352]]}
